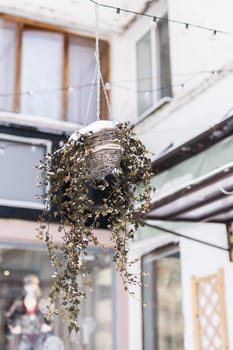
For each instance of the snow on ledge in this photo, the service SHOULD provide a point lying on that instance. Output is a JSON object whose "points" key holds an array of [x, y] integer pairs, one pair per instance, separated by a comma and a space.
{"points": [[93, 127], [37, 122]]}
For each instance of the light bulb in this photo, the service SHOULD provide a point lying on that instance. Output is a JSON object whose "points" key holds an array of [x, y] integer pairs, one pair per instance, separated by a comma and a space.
{"points": [[186, 29], [107, 86]]}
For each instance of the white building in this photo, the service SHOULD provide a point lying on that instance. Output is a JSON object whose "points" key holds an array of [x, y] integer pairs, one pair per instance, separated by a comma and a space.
{"points": [[184, 119], [172, 78]]}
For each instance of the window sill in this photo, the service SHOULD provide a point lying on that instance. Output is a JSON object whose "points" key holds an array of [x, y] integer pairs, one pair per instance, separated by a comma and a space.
{"points": [[159, 104], [37, 122]]}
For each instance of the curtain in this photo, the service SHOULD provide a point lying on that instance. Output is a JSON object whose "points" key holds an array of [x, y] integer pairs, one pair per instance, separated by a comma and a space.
{"points": [[81, 74], [8, 34], [42, 67]]}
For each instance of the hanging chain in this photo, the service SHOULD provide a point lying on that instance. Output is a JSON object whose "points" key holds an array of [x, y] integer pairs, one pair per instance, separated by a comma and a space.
{"points": [[107, 99], [90, 98], [97, 58], [99, 77]]}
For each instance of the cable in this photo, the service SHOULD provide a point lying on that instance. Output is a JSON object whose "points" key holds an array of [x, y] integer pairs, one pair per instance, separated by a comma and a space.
{"points": [[155, 18], [97, 58], [158, 77], [113, 84], [45, 91], [90, 98], [186, 237], [107, 98]]}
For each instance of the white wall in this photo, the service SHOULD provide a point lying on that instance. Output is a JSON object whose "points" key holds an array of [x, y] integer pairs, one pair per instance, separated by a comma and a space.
{"points": [[76, 14], [197, 105], [188, 116], [194, 50], [199, 260], [205, 100], [193, 109]]}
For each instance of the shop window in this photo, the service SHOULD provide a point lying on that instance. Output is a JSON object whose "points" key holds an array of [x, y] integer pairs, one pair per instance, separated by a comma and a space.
{"points": [[153, 68], [18, 178], [50, 73], [162, 300], [20, 265]]}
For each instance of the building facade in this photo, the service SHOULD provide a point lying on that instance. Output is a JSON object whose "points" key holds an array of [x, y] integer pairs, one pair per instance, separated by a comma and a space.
{"points": [[47, 92], [173, 80], [180, 103]]}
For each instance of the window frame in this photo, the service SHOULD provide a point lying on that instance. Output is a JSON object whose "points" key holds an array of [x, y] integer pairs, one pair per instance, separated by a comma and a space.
{"points": [[157, 101], [160, 252], [25, 24], [31, 142], [13, 244], [55, 138]]}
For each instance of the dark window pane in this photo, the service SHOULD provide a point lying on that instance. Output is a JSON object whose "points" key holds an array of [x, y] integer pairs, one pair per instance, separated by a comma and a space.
{"points": [[164, 60], [162, 316], [144, 74], [18, 178]]}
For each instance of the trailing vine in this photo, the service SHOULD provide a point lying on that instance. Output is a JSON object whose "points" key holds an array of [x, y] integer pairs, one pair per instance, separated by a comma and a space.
{"points": [[125, 199]]}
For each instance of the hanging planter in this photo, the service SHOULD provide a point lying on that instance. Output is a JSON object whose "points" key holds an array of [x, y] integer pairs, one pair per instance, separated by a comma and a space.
{"points": [[113, 163], [103, 148]]}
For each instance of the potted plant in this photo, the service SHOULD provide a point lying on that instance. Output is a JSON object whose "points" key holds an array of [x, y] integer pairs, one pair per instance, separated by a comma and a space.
{"points": [[111, 161]]}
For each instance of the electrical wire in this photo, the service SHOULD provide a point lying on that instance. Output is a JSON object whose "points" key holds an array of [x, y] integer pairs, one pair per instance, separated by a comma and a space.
{"points": [[97, 59], [174, 233], [115, 84], [155, 18]]}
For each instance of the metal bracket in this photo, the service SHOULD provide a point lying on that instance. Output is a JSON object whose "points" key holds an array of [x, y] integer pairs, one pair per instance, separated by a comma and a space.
{"points": [[229, 227]]}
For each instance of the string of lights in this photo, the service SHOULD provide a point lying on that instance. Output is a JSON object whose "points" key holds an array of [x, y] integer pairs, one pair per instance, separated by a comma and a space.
{"points": [[155, 18], [157, 77], [116, 84]]}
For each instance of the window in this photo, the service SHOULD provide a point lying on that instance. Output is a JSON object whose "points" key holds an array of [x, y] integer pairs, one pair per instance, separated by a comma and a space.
{"points": [[48, 72], [18, 157], [81, 72], [41, 70], [96, 313], [162, 316], [153, 68], [8, 36]]}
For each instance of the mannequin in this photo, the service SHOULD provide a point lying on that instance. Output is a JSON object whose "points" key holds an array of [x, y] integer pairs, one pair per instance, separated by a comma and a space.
{"points": [[27, 325]]}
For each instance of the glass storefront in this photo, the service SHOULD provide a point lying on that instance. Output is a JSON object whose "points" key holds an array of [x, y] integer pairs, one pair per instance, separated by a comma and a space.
{"points": [[162, 300], [18, 265]]}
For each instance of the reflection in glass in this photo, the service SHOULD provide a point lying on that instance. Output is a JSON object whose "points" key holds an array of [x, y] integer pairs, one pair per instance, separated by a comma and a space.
{"points": [[17, 163], [144, 74], [96, 314], [28, 328], [162, 315]]}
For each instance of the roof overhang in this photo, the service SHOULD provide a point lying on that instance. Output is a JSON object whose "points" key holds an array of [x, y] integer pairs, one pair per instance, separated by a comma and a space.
{"points": [[200, 143], [208, 198]]}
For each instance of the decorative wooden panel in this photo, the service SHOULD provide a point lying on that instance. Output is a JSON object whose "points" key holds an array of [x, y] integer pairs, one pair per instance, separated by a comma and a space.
{"points": [[209, 312]]}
